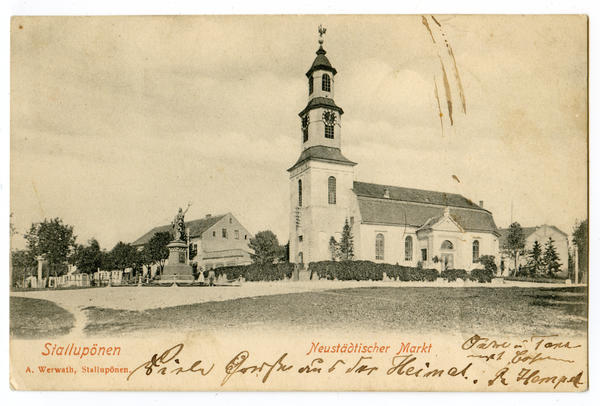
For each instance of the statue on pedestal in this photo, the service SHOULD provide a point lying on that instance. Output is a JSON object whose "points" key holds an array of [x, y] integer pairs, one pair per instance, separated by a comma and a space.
{"points": [[179, 224]]}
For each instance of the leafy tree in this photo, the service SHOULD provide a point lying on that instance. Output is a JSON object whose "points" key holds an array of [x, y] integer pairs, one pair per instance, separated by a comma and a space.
{"points": [[157, 249], [125, 256], [334, 249], [23, 264], [266, 248], [580, 238], [488, 262], [551, 258], [515, 242], [535, 262], [53, 241], [88, 258], [347, 242], [146, 258]]}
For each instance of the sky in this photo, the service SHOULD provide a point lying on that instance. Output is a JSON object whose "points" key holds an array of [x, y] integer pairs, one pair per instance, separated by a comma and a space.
{"points": [[116, 122]]}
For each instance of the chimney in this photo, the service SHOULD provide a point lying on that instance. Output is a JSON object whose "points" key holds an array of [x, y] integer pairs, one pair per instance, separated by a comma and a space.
{"points": [[481, 203], [207, 216]]}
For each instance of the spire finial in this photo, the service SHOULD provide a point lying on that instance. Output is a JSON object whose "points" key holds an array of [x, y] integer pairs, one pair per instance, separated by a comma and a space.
{"points": [[321, 32]]}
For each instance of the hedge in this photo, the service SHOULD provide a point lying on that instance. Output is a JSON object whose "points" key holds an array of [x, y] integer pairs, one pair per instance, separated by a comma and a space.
{"points": [[255, 272], [368, 270]]}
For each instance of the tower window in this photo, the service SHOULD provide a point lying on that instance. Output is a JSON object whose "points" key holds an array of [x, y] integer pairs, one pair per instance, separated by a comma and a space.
{"points": [[331, 190], [408, 249], [305, 122], [326, 83], [379, 247], [310, 85], [475, 251], [328, 131], [299, 192]]}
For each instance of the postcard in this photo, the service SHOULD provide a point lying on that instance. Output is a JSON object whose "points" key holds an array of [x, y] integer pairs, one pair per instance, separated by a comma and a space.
{"points": [[299, 203]]}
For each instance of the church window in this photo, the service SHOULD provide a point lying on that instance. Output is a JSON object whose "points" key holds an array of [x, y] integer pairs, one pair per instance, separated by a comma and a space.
{"points": [[299, 192], [475, 251], [326, 83], [379, 247], [408, 249], [328, 131], [447, 245], [423, 254], [310, 85], [331, 190]]}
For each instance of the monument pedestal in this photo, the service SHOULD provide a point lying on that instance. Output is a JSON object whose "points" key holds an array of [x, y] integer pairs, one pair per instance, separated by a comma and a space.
{"points": [[177, 271]]}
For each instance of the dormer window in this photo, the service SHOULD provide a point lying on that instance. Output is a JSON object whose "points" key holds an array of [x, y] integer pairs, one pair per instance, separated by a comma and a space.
{"points": [[386, 193], [310, 85], [326, 85]]}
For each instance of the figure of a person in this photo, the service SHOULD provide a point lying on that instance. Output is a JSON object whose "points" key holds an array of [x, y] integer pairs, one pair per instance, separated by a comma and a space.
{"points": [[179, 223]]}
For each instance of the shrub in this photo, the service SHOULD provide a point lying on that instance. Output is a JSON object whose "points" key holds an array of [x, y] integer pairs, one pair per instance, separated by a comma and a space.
{"points": [[368, 270], [453, 274], [482, 275]]}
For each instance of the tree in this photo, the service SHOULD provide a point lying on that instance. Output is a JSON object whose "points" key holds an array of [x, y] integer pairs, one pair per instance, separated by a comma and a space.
{"points": [[347, 242], [88, 258], [334, 249], [551, 258], [580, 239], [53, 241], [515, 243], [157, 249], [23, 264], [535, 262], [266, 248], [125, 256]]}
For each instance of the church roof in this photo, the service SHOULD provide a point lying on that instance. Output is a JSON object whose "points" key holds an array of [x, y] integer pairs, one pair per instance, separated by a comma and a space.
{"points": [[321, 102], [321, 63], [419, 208], [322, 153], [196, 227]]}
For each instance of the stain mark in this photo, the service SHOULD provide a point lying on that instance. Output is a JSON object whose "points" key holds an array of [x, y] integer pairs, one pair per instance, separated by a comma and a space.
{"points": [[426, 24], [458, 81], [38, 198], [436, 21], [447, 89], [455, 177], [439, 106], [20, 27]]}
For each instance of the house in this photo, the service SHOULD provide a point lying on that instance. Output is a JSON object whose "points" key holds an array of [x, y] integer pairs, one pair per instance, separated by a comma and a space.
{"points": [[541, 234], [390, 224], [214, 242]]}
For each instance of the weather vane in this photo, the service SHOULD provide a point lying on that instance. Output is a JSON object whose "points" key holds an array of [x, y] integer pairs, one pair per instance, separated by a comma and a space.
{"points": [[321, 32]]}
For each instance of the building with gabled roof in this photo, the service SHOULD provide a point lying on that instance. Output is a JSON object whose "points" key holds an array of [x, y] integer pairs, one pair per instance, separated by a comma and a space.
{"points": [[389, 224], [214, 241], [542, 235]]}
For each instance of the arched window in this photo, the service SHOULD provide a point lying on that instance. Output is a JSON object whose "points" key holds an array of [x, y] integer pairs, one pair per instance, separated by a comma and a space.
{"points": [[408, 249], [310, 85], [331, 190], [447, 245], [475, 251], [379, 247], [328, 131], [299, 192], [326, 83]]}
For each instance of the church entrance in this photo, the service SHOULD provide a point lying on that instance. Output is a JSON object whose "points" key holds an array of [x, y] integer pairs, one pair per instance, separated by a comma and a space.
{"points": [[447, 255]]}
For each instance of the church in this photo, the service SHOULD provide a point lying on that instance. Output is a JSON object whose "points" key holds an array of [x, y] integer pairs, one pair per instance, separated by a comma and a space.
{"points": [[389, 224]]}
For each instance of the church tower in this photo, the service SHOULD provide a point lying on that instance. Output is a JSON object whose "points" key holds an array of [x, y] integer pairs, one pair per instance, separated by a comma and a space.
{"points": [[322, 179]]}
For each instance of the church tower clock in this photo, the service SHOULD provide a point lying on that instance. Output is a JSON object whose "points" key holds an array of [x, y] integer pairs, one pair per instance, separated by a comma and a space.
{"points": [[322, 178]]}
